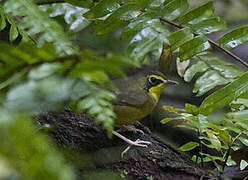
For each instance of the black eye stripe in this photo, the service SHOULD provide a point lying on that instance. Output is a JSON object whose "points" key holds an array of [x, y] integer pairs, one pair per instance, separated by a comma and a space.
{"points": [[154, 81]]}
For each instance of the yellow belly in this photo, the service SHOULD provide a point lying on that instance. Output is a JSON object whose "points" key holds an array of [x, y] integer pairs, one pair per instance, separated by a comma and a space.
{"points": [[129, 114]]}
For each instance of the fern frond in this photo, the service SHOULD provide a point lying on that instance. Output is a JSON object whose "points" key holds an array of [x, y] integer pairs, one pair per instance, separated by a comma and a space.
{"points": [[38, 23]]}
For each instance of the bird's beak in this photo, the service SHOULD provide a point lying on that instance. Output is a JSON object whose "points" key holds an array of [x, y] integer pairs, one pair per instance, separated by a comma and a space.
{"points": [[171, 82]]}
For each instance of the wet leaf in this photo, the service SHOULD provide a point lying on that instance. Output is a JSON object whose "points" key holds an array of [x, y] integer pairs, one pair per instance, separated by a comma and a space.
{"points": [[243, 164], [173, 9], [13, 34], [146, 20], [194, 69], [180, 37], [118, 18], [102, 8], [224, 96], [234, 38], [2, 20], [208, 81], [145, 41], [193, 47], [197, 14], [209, 25]]}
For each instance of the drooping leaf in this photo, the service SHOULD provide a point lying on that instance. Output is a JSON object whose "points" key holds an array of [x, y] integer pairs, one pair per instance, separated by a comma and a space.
{"points": [[2, 19], [208, 81], [118, 18], [180, 37], [38, 22], [73, 15], [192, 109], [13, 33], [144, 42], [234, 38], [197, 14], [189, 146], [243, 164], [209, 25], [244, 140], [224, 96], [173, 9], [193, 47], [198, 67], [143, 21], [85, 3], [102, 8]]}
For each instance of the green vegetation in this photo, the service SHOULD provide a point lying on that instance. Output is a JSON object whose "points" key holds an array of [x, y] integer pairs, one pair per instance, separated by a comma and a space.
{"points": [[65, 52]]}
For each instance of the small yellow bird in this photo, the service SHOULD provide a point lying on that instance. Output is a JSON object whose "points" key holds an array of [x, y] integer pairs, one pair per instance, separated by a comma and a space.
{"points": [[137, 101]]}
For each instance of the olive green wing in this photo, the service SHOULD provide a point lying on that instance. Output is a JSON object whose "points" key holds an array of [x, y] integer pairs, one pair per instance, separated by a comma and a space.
{"points": [[134, 98]]}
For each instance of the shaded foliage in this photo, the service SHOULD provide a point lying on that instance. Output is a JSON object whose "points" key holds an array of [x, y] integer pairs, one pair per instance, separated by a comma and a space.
{"points": [[47, 69]]}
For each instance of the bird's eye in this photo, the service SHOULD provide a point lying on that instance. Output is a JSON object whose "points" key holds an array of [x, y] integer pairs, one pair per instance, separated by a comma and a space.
{"points": [[153, 80]]}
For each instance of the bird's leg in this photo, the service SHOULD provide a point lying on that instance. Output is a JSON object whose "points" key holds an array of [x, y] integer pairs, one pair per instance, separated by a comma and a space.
{"points": [[138, 142], [131, 128]]}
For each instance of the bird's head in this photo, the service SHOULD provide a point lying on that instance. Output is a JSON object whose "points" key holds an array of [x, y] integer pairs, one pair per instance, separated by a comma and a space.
{"points": [[155, 84]]}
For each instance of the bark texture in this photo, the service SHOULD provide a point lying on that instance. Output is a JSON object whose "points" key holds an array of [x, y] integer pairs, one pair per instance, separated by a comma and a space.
{"points": [[84, 137]]}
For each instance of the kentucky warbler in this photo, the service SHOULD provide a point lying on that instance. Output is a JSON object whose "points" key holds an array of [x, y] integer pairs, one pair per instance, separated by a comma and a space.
{"points": [[137, 100]]}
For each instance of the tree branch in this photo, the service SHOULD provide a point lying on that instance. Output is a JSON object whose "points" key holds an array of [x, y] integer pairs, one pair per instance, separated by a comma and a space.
{"points": [[213, 43], [82, 135]]}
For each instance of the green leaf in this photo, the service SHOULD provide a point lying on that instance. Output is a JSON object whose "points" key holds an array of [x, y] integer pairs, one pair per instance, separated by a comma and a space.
{"points": [[143, 3], [197, 14], [208, 81], [209, 25], [193, 47], [240, 101], [73, 15], [171, 109], [234, 38], [84, 3], [193, 70], [238, 116], [166, 120], [224, 96], [98, 105], [13, 34], [102, 8], [192, 109], [147, 41], [180, 37], [2, 20], [143, 21], [189, 146], [243, 140], [38, 22], [173, 9], [213, 139], [118, 18], [243, 164]]}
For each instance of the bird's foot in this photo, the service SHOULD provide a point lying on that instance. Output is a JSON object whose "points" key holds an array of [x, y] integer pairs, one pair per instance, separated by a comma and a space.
{"points": [[138, 143], [131, 143]]}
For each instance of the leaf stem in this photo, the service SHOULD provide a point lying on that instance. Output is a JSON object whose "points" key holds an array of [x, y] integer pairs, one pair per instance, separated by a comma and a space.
{"points": [[226, 157], [213, 43]]}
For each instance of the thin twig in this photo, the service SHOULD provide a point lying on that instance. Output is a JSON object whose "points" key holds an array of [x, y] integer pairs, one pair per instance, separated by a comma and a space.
{"points": [[213, 43]]}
